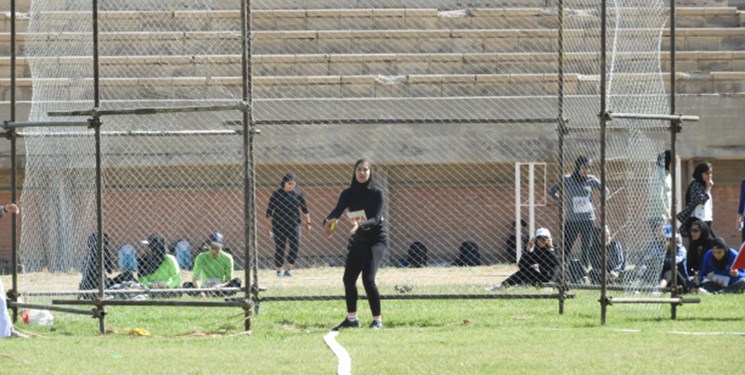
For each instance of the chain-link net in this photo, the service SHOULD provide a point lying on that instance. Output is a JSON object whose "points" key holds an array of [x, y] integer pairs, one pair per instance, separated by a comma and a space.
{"points": [[467, 113]]}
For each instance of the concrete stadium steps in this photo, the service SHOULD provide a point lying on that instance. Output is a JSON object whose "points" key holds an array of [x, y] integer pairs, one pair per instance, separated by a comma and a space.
{"points": [[62, 5], [385, 41], [375, 86], [481, 18], [439, 4], [367, 64], [363, 19]]}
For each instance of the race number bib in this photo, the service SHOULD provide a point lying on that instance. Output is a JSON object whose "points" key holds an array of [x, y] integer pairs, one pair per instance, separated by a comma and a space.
{"points": [[581, 205]]}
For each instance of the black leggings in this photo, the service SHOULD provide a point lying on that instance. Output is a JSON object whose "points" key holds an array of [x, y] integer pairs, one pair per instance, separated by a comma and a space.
{"points": [[526, 276], [286, 235], [365, 258], [584, 229]]}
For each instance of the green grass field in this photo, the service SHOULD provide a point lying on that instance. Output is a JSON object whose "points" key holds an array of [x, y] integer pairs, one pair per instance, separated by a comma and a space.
{"points": [[421, 337]]}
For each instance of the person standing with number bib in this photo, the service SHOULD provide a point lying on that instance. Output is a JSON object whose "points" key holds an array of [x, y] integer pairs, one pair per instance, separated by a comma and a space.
{"points": [[580, 212], [368, 241]]}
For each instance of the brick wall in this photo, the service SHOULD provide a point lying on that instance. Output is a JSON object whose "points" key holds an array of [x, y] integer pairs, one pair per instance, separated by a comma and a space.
{"points": [[415, 218]]}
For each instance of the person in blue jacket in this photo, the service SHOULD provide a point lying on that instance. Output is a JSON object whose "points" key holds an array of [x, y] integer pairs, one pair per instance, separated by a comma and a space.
{"points": [[717, 274]]}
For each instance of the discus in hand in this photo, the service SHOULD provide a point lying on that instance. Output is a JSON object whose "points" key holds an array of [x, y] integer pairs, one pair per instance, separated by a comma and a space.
{"points": [[329, 227]]}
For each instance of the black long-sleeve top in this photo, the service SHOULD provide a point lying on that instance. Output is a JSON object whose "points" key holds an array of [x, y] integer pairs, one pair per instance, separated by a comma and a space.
{"points": [[284, 208], [368, 197], [544, 258]]}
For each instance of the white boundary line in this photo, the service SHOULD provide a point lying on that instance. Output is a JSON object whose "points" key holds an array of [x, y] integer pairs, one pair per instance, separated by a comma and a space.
{"points": [[345, 361], [708, 333]]}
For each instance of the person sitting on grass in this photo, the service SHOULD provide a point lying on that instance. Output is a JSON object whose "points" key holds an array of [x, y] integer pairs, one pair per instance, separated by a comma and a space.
{"points": [[615, 259], [537, 265], [717, 274], [91, 269], [214, 268], [680, 270], [155, 268], [701, 241]]}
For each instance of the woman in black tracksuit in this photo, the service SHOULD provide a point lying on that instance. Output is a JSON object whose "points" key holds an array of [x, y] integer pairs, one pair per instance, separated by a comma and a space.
{"points": [[368, 241]]}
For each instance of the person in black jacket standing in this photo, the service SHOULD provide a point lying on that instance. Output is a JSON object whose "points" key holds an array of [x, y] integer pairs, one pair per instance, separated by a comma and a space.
{"points": [[368, 241], [284, 209]]}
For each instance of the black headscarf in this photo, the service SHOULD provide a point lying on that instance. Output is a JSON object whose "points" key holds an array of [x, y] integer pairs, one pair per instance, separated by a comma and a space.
{"points": [[697, 248], [664, 159], [149, 263], [582, 161], [698, 178], [355, 184], [700, 170], [287, 178], [705, 241], [91, 274], [720, 264]]}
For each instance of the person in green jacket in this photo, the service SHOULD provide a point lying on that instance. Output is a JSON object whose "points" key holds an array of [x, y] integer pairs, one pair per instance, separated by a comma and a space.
{"points": [[156, 269], [214, 268]]}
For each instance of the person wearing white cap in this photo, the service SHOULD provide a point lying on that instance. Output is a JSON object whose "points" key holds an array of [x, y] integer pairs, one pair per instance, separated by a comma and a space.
{"points": [[537, 265]]}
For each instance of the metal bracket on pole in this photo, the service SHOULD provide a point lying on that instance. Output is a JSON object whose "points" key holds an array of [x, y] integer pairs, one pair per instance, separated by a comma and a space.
{"points": [[677, 125], [610, 116], [563, 128]]}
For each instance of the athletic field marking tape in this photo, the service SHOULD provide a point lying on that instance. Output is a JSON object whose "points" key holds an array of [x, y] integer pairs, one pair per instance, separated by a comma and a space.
{"points": [[345, 362]]}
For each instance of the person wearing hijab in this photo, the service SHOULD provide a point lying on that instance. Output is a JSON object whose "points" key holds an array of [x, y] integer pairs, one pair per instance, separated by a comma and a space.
{"points": [[699, 203], [91, 270], [579, 215], [701, 241], [368, 241], [285, 206], [659, 199], [717, 274], [157, 269]]}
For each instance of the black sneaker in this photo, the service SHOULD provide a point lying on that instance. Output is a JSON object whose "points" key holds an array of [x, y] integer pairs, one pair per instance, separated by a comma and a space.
{"points": [[376, 324], [347, 324]]}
